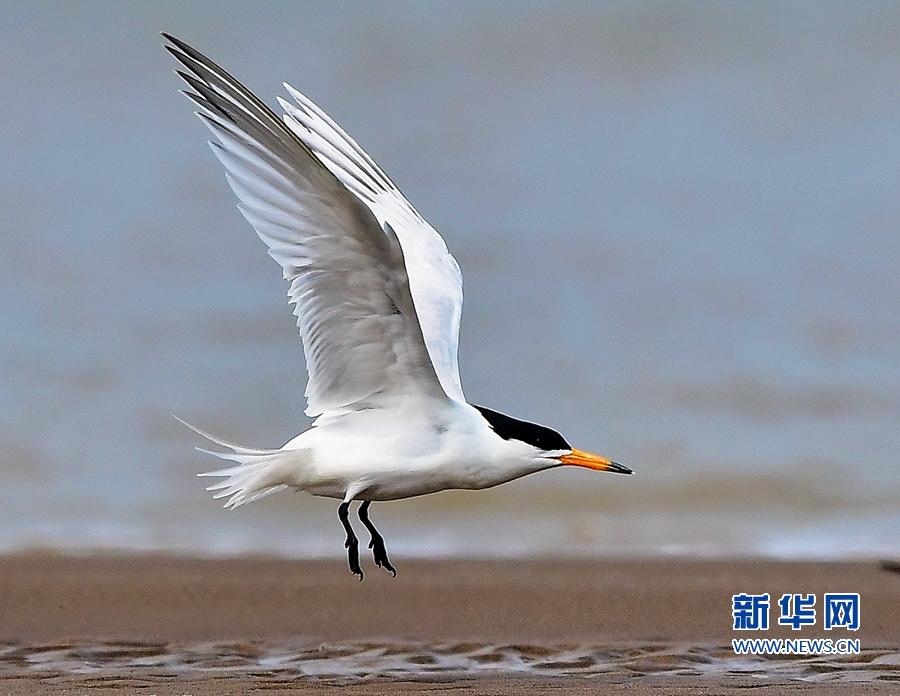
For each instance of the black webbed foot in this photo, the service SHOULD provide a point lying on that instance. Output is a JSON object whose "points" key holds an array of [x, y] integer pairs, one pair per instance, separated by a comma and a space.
{"points": [[379, 552], [352, 543]]}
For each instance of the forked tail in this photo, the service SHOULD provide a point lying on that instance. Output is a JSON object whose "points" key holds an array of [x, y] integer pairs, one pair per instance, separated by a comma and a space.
{"points": [[258, 472]]}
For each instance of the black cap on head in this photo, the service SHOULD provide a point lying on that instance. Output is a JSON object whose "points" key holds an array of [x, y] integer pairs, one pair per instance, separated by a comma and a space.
{"points": [[510, 428]]}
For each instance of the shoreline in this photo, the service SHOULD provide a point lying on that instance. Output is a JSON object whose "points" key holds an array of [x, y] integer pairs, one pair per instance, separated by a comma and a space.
{"points": [[640, 625], [164, 597]]}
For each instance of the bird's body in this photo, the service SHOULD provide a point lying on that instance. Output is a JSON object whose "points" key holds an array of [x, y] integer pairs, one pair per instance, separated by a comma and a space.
{"points": [[356, 455], [378, 300]]}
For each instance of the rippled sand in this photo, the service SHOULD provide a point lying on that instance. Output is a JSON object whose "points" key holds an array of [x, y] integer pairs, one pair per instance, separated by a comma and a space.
{"points": [[158, 625], [374, 660]]}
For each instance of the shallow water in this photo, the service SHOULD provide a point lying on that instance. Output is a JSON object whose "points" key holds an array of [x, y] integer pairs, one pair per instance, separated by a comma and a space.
{"points": [[401, 660], [678, 230]]}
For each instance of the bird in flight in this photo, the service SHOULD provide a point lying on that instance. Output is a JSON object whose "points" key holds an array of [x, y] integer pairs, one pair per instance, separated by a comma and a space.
{"points": [[378, 300]]}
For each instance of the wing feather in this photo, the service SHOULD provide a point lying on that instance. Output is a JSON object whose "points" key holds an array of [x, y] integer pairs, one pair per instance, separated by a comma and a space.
{"points": [[348, 278], [434, 275]]}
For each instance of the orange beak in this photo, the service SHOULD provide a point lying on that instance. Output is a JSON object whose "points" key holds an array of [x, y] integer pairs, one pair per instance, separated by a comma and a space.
{"points": [[592, 461]]}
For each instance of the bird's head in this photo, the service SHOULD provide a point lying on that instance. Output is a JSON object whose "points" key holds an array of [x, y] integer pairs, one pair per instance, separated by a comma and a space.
{"points": [[550, 445]]}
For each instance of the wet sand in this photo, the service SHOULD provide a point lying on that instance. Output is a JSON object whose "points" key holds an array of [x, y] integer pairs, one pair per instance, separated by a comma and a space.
{"points": [[49, 603]]}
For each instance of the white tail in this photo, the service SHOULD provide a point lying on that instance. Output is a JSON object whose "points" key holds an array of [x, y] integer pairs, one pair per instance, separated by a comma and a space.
{"points": [[256, 475]]}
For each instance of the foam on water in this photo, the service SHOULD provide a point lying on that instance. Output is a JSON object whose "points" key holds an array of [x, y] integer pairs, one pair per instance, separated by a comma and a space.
{"points": [[415, 660]]}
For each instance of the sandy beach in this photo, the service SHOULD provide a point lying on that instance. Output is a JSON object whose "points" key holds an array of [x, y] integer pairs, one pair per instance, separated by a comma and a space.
{"points": [[644, 614]]}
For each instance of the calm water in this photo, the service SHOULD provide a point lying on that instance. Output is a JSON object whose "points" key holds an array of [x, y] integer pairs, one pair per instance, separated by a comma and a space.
{"points": [[678, 226]]}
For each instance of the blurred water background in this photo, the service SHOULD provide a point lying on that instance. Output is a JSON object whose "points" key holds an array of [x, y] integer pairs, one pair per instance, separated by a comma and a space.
{"points": [[678, 228]]}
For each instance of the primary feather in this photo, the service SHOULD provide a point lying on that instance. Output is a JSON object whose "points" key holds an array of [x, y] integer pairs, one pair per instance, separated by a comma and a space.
{"points": [[434, 276], [348, 251]]}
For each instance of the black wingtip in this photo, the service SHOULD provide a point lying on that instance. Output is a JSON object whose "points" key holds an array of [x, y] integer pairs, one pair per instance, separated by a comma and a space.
{"points": [[180, 48], [172, 39], [174, 44]]}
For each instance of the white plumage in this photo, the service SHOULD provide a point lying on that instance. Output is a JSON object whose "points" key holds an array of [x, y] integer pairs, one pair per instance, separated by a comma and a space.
{"points": [[378, 300]]}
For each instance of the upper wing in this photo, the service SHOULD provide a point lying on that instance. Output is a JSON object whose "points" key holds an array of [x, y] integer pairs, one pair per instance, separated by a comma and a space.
{"points": [[349, 283], [434, 276]]}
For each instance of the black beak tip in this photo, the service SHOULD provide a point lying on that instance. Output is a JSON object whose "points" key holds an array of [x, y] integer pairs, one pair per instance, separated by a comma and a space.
{"points": [[617, 468]]}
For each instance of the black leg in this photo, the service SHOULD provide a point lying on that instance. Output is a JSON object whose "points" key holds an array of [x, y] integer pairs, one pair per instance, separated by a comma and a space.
{"points": [[352, 545], [377, 543]]}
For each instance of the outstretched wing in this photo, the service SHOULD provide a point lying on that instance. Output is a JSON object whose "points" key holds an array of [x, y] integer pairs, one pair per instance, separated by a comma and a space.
{"points": [[349, 283], [434, 276]]}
